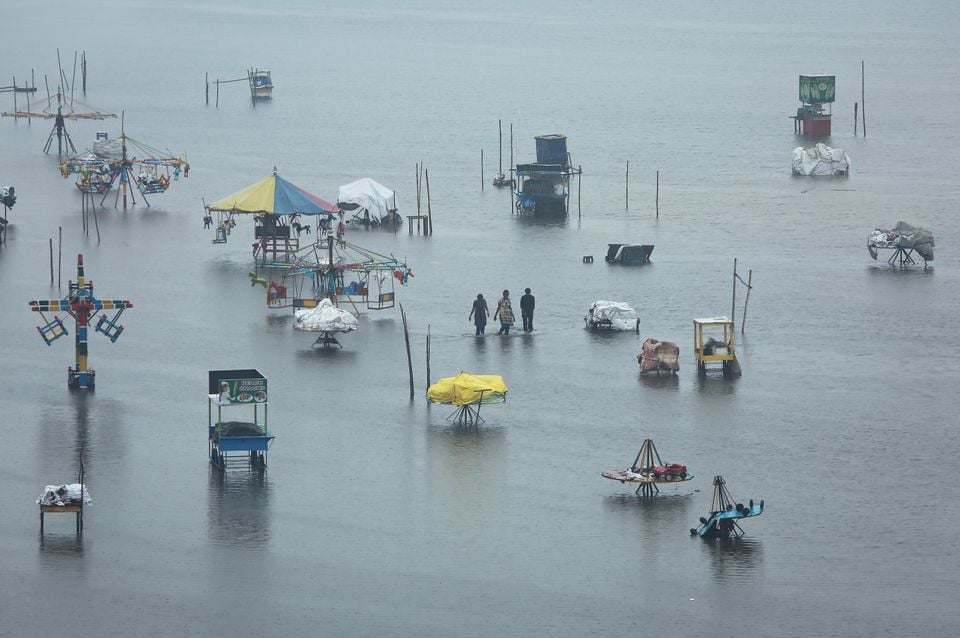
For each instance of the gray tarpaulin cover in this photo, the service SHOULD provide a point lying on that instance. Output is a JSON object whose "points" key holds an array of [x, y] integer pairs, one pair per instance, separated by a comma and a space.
{"points": [[903, 235]]}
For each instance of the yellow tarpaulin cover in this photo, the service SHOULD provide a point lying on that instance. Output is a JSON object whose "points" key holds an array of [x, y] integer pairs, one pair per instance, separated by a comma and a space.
{"points": [[466, 389]]}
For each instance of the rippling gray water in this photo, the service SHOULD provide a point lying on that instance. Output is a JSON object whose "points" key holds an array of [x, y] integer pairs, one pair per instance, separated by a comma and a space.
{"points": [[376, 515]]}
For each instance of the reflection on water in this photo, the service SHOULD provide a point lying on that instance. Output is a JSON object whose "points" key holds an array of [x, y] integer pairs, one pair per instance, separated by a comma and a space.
{"points": [[732, 559], [238, 511], [715, 384], [665, 381], [651, 514], [61, 550]]}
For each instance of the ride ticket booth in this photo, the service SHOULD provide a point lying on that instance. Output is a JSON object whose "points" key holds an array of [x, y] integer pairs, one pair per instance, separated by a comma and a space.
{"points": [[713, 345], [237, 429]]}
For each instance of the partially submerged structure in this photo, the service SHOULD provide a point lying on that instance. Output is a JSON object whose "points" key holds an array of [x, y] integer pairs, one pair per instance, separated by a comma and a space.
{"points": [[543, 188], [611, 315], [326, 319], [820, 160], [629, 254], [649, 470], [236, 442], [369, 202], [659, 356], [903, 240], [468, 392], [725, 512], [82, 305], [711, 351], [261, 84], [276, 206], [817, 93]]}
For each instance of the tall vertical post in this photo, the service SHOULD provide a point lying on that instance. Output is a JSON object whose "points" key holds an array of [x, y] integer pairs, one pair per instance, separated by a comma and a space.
{"points": [[83, 72], [500, 130], [627, 189], [426, 176], [747, 300], [855, 118], [51, 261], [206, 84], [863, 104], [406, 337], [428, 355], [59, 256], [481, 169], [733, 302], [658, 195]]}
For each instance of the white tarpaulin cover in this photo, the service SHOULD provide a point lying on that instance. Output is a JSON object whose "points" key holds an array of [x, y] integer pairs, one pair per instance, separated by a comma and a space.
{"points": [[820, 160], [64, 494], [366, 193], [326, 317], [613, 314]]}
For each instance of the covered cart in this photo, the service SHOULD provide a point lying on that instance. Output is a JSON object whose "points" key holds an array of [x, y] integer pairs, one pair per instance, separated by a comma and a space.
{"points": [[237, 393]]}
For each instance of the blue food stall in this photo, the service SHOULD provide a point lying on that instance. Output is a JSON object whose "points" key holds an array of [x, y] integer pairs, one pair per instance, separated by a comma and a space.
{"points": [[233, 397]]}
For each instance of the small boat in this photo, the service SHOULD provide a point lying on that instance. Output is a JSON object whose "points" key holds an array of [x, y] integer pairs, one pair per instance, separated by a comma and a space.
{"points": [[629, 254], [261, 86]]}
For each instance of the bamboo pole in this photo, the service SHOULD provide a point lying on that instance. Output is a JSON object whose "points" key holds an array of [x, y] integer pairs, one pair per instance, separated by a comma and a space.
{"points": [[96, 222], [500, 130], [627, 181], [59, 256], [747, 300], [481, 169], [206, 84], [863, 103], [513, 191], [579, 177], [15, 109], [658, 195], [428, 355], [855, 104], [218, 93], [51, 261], [733, 303], [426, 176], [83, 72], [406, 337]]}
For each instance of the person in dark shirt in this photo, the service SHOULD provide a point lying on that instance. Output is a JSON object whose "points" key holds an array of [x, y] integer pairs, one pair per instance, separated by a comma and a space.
{"points": [[527, 303], [479, 314]]}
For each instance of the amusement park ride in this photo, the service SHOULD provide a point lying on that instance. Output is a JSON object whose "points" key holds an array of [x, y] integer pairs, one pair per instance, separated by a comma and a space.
{"points": [[80, 304], [649, 470], [75, 110], [138, 167], [468, 392], [724, 514]]}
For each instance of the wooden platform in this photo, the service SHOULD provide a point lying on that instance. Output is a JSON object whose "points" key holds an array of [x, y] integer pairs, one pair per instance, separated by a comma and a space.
{"points": [[63, 509]]}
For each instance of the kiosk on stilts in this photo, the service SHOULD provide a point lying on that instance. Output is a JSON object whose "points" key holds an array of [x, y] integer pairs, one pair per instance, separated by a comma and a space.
{"points": [[236, 443]]}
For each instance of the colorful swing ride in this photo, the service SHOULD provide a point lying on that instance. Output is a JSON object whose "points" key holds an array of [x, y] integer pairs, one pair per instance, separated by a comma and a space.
{"points": [[81, 304], [725, 513], [137, 166], [648, 470]]}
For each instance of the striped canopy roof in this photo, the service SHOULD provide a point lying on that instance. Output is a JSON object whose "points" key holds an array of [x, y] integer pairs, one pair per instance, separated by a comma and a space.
{"points": [[274, 196]]}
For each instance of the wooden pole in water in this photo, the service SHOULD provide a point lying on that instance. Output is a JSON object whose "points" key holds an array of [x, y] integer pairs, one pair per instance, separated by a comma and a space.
{"points": [[579, 177], [500, 130], [218, 93], [206, 84], [481, 169], [83, 71], [51, 261], [855, 119], [418, 188], [863, 103], [406, 336], [747, 300], [59, 256], [96, 222], [513, 191], [426, 176], [658, 195], [428, 355], [627, 194], [733, 303]]}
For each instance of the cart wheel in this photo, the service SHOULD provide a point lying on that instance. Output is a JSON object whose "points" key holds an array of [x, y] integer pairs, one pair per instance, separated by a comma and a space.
{"points": [[683, 475]]}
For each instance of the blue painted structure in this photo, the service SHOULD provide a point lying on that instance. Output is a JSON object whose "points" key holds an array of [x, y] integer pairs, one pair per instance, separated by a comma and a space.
{"points": [[724, 514], [231, 443]]}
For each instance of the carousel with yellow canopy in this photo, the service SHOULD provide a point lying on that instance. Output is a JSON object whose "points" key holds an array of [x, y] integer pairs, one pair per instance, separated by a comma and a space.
{"points": [[276, 206], [468, 392]]}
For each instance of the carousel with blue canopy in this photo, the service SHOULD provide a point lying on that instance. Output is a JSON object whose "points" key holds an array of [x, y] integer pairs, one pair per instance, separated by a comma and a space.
{"points": [[239, 441], [277, 207]]}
